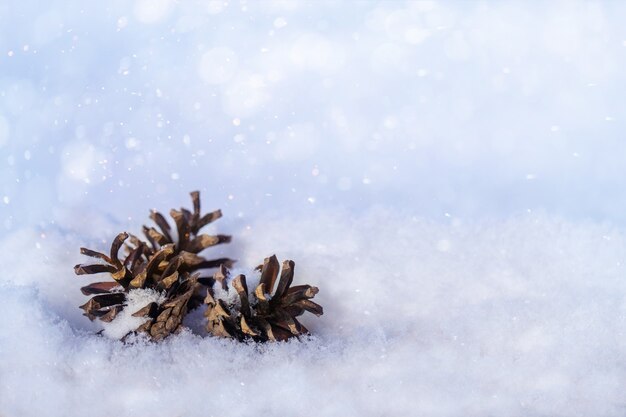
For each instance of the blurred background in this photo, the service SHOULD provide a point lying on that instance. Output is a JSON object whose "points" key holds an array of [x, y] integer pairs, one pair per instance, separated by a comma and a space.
{"points": [[455, 109]]}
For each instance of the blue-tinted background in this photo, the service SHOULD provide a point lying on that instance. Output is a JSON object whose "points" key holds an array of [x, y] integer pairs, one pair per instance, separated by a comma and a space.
{"points": [[476, 109]]}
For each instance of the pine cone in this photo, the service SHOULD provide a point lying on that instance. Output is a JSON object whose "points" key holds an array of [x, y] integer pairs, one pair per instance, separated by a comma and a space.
{"points": [[259, 315], [163, 264]]}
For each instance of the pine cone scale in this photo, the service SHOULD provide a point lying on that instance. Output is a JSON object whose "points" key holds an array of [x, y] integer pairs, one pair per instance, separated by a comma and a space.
{"points": [[162, 224], [300, 292], [99, 288], [149, 310], [94, 254], [286, 278], [209, 218], [93, 269], [115, 248], [269, 273]]}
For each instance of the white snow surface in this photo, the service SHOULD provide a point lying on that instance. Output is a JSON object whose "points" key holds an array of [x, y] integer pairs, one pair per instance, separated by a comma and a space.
{"points": [[449, 175]]}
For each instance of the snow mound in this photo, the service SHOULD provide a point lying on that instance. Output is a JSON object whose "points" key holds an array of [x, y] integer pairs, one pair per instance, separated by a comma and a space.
{"points": [[518, 317]]}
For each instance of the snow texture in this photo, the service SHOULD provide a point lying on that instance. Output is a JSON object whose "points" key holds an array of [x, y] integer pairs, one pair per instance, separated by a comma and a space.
{"points": [[124, 322], [449, 175]]}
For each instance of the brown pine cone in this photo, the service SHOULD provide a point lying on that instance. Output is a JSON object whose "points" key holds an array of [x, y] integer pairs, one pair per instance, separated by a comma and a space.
{"points": [[259, 313], [162, 263]]}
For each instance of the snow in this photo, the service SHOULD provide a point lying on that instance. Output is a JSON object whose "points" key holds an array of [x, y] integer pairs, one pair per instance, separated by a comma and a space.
{"points": [[448, 174], [230, 296], [124, 322]]}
